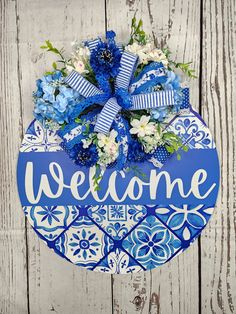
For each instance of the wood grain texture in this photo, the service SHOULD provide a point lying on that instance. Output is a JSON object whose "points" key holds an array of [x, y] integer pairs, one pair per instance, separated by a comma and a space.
{"points": [[54, 284], [218, 241], [13, 270], [33, 279], [174, 287]]}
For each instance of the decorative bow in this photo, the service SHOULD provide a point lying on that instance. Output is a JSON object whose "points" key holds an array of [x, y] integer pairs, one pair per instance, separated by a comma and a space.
{"points": [[124, 95]]}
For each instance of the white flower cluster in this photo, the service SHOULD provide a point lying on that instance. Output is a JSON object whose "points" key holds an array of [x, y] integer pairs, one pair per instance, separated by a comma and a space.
{"points": [[148, 133], [80, 59], [147, 53], [107, 147]]}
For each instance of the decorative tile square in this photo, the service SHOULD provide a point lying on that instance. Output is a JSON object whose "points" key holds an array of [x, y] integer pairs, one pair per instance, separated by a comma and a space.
{"points": [[84, 244], [192, 131], [51, 221], [117, 220], [151, 243], [118, 262], [39, 139], [186, 220]]}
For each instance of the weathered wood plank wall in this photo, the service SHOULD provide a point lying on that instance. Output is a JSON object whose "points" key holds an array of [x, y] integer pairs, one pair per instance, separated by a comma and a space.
{"points": [[201, 280]]}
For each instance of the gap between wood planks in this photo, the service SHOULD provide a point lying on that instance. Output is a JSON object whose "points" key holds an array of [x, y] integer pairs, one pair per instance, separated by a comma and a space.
{"points": [[21, 139]]}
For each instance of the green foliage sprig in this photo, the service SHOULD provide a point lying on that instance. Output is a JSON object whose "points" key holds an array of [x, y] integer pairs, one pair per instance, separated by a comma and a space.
{"points": [[97, 178], [184, 67], [48, 46], [173, 143], [137, 33]]}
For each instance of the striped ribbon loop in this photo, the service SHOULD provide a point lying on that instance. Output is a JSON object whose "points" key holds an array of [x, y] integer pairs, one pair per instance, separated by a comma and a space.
{"points": [[111, 107], [128, 64], [107, 116], [146, 101], [81, 85], [92, 44]]}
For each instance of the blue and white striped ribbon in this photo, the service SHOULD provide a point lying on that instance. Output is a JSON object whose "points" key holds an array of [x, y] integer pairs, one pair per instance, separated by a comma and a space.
{"points": [[107, 116], [80, 84], [147, 101], [92, 44], [141, 101], [127, 67]]}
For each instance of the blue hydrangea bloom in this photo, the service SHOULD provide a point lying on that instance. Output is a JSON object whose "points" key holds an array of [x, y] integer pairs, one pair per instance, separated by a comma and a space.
{"points": [[172, 82], [160, 113], [54, 101]]}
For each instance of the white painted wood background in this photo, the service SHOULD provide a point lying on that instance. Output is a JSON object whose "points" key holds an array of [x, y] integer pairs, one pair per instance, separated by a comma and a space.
{"points": [[35, 280]]}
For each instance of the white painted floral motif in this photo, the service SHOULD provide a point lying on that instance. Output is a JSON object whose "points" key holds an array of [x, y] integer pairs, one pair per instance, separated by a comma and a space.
{"points": [[185, 220], [118, 262], [192, 131], [39, 139]]}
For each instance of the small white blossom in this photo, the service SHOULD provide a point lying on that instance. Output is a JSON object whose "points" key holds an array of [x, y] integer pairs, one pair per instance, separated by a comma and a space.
{"points": [[80, 58], [108, 148], [151, 142], [158, 56], [69, 68], [142, 127], [79, 66], [104, 140], [81, 53], [147, 53], [86, 142], [148, 133]]}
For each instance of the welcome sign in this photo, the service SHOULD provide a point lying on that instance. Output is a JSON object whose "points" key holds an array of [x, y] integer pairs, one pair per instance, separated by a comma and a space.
{"points": [[133, 222], [58, 181]]}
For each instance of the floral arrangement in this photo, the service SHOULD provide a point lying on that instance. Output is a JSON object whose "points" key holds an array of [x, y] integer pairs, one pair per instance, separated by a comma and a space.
{"points": [[110, 103]]}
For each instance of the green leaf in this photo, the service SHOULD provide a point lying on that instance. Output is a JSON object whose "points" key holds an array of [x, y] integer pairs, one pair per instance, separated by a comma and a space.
{"points": [[49, 44], [133, 21], [78, 120], [169, 149], [54, 65], [140, 24], [48, 73], [166, 52]]}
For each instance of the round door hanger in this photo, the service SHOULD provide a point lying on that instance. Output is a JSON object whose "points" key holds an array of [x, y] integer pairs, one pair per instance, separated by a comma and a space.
{"points": [[131, 223]]}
